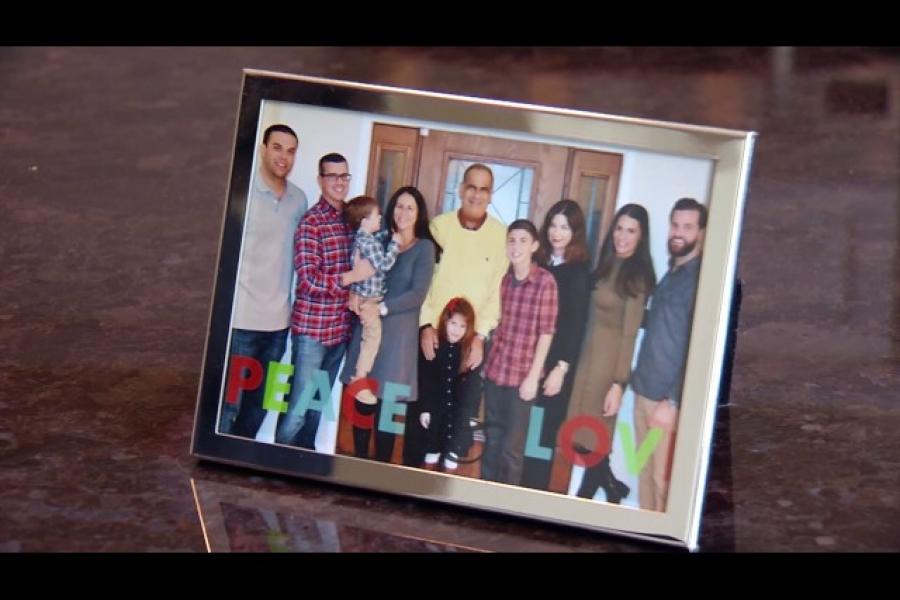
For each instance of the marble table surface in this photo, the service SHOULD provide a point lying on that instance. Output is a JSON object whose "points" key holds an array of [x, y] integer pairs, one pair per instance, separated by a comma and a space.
{"points": [[114, 172]]}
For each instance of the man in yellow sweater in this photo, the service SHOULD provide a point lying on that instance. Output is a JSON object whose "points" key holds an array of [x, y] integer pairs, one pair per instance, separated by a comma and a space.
{"points": [[472, 265]]}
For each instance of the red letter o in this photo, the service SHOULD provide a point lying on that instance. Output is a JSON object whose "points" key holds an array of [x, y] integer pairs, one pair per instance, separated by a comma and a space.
{"points": [[604, 443]]}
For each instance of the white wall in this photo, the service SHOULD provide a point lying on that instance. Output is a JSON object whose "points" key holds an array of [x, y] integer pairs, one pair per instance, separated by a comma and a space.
{"points": [[656, 181], [321, 131]]}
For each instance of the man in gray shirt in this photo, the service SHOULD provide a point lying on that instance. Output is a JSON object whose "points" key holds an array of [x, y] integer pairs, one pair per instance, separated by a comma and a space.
{"points": [[262, 303], [657, 378]]}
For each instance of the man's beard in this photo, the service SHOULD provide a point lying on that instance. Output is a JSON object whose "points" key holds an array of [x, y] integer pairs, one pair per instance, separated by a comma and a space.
{"points": [[685, 249]]}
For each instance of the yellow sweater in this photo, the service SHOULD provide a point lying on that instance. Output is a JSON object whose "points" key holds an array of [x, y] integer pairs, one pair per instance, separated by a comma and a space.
{"points": [[472, 265]]}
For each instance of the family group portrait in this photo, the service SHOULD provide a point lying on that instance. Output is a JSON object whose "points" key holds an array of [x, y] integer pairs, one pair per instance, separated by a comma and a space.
{"points": [[480, 303]]}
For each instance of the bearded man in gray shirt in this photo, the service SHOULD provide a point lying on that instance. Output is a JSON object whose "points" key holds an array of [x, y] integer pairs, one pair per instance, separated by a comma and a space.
{"points": [[657, 378], [262, 308]]}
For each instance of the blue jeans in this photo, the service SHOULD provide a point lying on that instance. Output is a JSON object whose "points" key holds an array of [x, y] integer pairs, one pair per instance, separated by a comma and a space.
{"points": [[296, 428], [245, 417]]}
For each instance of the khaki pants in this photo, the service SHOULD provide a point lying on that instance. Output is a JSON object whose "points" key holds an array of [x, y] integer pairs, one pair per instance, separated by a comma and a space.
{"points": [[654, 478], [371, 340]]}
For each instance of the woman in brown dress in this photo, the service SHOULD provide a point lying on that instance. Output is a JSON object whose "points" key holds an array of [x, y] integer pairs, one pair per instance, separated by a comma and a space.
{"points": [[623, 280]]}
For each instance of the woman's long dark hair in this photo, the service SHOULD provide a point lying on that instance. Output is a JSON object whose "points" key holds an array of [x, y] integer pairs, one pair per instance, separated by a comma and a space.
{"points": [[420, 229], [576, 251], [637, 275]]}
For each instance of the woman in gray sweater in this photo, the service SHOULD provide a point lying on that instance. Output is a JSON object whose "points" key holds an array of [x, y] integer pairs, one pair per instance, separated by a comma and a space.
{"points": [[407, 284]]}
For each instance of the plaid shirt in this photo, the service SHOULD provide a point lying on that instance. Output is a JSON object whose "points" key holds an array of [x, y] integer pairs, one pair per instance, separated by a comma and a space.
{"points": [[371, 248], [527, 311], [321, 256]]}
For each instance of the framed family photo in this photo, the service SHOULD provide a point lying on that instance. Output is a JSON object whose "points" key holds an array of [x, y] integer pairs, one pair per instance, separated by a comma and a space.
{"points": [[516, 308]]}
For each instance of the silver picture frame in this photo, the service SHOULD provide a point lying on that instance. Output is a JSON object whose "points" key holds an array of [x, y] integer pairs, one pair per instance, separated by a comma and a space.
{"points": [[715, 161]]}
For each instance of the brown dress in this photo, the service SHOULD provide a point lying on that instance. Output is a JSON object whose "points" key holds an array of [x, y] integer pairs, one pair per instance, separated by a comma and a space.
{"points": [[606, 354]]}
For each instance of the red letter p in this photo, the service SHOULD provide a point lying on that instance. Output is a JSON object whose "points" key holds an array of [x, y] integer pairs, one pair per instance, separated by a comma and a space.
{"points": [[237, 380]]}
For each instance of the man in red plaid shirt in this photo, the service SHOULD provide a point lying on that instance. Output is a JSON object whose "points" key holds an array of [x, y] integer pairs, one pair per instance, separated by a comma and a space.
{"points": [[529, 302], [320, 322]]}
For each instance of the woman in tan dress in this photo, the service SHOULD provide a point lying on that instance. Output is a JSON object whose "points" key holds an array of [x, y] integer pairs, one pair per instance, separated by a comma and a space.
{"points": [[623, 280]]}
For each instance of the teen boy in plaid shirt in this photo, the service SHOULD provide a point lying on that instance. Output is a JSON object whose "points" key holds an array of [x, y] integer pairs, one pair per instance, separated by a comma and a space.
{"points": [[528, 307], [320, 323]]}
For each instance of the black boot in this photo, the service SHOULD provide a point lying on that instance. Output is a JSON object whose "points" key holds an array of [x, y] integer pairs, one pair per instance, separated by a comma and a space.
{"points": [[362, 436], [599, 476], [615, 489]]}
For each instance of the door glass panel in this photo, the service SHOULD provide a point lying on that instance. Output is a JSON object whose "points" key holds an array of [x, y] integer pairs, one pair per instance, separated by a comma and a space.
{"points": [[390, 175], [591, 194], [512, 189]]}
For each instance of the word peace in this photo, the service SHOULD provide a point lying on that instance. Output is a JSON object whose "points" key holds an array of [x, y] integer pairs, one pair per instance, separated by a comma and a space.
{"points": [[247, 374]]}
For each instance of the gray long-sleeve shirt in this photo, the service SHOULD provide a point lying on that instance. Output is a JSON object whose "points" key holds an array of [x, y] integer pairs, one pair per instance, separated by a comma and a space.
{"points": [[660, 367]]}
